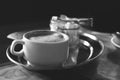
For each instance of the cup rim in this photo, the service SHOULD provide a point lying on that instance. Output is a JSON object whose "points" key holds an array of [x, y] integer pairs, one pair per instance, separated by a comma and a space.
{"points": [[66, 37]]}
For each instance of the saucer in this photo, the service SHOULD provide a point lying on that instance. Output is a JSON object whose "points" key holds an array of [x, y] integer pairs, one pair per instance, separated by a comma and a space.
{"points": [[81, 59]]}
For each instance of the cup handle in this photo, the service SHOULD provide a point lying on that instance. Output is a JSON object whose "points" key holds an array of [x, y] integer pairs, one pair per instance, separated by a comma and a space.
{"points": [[13, 45]]}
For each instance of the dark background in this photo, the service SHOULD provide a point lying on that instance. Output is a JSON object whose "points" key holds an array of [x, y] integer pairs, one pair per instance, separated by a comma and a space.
{"points": [[31, 14], [106, 14], [18, 15]]}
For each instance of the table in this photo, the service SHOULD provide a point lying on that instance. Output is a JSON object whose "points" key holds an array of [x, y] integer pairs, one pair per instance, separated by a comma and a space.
{"points": [[13, 71]]}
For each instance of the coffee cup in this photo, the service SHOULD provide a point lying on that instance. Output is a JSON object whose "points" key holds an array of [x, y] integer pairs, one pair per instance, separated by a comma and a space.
{"points": [[43, 47]]}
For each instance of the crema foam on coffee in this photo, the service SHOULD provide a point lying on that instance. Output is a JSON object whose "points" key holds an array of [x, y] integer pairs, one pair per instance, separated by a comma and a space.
{"points": [[48, 38]]}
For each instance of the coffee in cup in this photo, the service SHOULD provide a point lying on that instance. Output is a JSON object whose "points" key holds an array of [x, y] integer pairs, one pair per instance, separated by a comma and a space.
{"points": [[55, 37], [43, 47]]}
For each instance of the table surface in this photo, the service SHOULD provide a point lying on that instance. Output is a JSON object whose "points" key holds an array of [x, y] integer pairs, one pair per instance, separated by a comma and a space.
{"points": [[88, 71], [12, 72]]}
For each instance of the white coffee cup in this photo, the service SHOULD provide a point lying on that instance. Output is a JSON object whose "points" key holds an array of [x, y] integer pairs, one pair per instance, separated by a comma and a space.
{"points": [[42, 52]]}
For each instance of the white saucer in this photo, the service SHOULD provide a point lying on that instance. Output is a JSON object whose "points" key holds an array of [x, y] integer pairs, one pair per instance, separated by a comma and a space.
{"points": [[81, 59]]}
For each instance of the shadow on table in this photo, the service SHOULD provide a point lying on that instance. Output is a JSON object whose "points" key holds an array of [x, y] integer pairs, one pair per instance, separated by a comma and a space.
{"points": [[84, 72]]}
